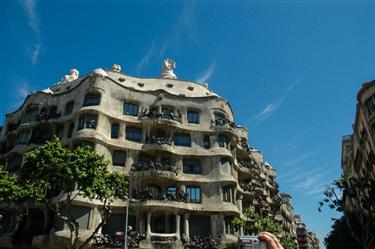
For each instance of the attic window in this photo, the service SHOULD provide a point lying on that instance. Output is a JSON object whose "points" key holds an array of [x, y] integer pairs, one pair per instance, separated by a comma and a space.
{"points": [[169, 85], [57, 90], [207, 94], [121, 79], [140, 84], [190, 88], [68, 87], [182, 95]]}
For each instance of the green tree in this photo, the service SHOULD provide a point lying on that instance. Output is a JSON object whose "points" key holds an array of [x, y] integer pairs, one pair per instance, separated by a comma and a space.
{"points": [[255, 224], [340, 237], [80, 172], [355, 197]]}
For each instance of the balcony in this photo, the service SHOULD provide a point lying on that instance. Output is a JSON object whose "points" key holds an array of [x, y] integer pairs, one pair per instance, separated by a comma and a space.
{"points": [[223, 124], [159, 140], [147, 194], [164, 115], [47, 115], [149, 165]]}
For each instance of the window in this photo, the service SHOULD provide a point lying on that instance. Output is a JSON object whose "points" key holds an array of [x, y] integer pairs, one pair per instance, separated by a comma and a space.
{"points": [[172, 191], [194, 194], [87, 121], [130, 109], [192, 166], [227, 194], [115, 130], [206, 142], [118, 158], [223, 141], [69, 108], [182, 140], [133, 134], [224, 160], [370, 105], [23, 137], [14, 163], [71, 130], [193, 117], [92, 99], [60, 131], [30, 115]]}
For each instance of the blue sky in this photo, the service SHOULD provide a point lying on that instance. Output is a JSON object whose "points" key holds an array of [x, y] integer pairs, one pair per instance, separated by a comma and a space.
{"points": [[290, 69]]}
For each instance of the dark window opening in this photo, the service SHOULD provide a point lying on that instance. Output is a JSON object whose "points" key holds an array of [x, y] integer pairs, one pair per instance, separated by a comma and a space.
{"points": [[193, 117], [133, 134], [118, 158], [69, 108], [130, 109], [87, 121], [182, 140], [192, 166], [92, 99], [23, 137], [115, 127], [223, 141], [206, 142]]}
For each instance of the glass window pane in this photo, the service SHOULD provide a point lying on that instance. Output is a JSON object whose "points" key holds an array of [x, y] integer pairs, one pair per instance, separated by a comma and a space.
{"points": [[119, 158], [193, 117], [115, 130], [130, 109], [92, 99], [182, 140], [133, 134], [69, 108]]}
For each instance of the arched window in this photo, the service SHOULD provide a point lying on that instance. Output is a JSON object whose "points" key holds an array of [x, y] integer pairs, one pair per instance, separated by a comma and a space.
{"points": [[87, 121], [30, 115], [223, 141], [92, 99], [69, 107]]}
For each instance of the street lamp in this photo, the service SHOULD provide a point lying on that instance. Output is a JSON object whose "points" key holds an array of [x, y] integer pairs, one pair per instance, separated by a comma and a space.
{"points": [[128, 201]]}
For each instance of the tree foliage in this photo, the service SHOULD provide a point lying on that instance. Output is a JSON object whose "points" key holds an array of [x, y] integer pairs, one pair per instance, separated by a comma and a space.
{"points": [[355, 197], [51, 169], [255, 224], [340, 237]]}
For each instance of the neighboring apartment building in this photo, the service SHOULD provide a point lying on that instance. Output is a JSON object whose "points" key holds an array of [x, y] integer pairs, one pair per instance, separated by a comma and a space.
{"points": [[190, 166], [305, 238], [358, 149]]}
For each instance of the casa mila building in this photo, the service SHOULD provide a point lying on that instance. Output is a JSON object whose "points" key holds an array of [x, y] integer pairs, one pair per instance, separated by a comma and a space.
{"points": [[191, 169]]}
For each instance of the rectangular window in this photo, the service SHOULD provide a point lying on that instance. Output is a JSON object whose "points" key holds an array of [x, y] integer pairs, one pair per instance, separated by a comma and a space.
{"points": [[30, 115], [223, 141], [87, 121], [130, 109], [133, 134], [23, 137], [172, 191], [71, 130], [118, 158], [60, 131], [182, 140], [192, 166], [92, 99], [227, 194], [194, 194], [193, 117], [115, 130], [206, 142], [69, 108], [370, 105]]}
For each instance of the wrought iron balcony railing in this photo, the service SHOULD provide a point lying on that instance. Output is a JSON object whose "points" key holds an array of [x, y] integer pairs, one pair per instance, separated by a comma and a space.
{"points": [[151, 165], [146, 195]]}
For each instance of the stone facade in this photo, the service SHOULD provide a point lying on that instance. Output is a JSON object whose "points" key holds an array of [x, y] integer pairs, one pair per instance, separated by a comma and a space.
{"points": [[306, 239], [358, 149], [190, 167]]}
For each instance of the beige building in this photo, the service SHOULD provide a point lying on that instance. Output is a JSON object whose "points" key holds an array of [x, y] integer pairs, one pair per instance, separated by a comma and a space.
{"points": [[190, 166], [306, 239]]}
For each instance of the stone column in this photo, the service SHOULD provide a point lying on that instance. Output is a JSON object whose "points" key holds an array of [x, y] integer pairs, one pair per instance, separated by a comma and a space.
{"points": [[213, 219], [178, 234], [148, 232], [186, 225], [166, 223]]}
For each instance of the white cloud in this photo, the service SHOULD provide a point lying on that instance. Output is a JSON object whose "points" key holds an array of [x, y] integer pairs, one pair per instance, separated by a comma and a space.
{"points": [[300, 158], [34, 48], [146, 59], [208, 73], [274, 105]]}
